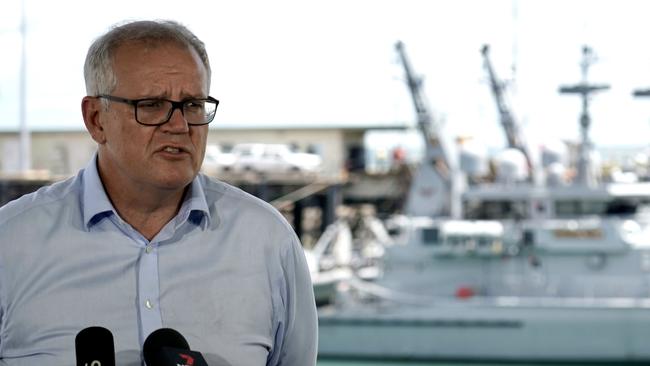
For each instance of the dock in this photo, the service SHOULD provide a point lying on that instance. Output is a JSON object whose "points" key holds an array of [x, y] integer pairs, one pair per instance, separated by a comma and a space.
{"points": [[308, 201]]}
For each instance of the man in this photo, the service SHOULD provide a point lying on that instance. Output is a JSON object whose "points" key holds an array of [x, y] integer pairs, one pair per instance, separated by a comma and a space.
{"points": [[139, 240]]}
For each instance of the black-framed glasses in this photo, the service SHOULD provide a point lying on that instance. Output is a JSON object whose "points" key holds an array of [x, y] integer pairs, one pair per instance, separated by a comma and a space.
{"points": [[156, 112]]}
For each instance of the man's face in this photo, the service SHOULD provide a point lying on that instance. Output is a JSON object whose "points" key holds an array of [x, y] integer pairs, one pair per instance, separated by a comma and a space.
{"points": [[164, 157]]}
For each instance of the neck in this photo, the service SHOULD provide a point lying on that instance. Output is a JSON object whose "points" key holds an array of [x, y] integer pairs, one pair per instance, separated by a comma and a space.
{"points": [[147, 210], [147, 215]]}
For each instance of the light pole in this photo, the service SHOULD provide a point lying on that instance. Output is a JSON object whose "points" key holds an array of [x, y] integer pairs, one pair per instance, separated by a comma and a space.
{"points": [[25, 159]]}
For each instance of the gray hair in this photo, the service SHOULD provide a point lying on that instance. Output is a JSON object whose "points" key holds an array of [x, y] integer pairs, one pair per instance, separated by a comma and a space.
{"points": [[98, 68]]}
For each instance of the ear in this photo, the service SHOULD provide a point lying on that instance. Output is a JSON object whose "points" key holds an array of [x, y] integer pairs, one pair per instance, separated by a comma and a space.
{"points": [[91, 109]]}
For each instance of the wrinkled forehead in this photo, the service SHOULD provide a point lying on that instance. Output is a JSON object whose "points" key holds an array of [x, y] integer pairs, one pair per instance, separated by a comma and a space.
{"points": [[148, 53], [143, 46]]}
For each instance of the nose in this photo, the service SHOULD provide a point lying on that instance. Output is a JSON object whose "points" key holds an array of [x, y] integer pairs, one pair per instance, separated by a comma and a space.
{"points": [[176, 123]]}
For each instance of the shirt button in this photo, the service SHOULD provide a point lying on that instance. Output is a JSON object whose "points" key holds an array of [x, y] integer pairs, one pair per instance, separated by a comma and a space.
{"points": [[148, 304], [148, 249]]}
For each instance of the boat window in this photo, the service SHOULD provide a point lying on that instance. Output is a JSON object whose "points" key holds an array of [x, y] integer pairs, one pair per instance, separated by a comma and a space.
{"points": [[495, 210], [528, 237], [431, 236], [621, 207], [484, 241], [572, 208], [455, 240]]}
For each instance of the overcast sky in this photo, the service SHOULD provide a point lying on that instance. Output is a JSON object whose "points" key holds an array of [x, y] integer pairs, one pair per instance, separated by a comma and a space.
{"points": [[333, 62]]}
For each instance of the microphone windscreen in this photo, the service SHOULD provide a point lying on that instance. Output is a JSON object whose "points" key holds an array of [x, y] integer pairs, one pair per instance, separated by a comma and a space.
{"points": [[152, 350], [94, 346]]}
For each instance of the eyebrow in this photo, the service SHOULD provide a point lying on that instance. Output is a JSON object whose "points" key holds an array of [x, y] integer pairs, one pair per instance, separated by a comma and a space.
{"points": [[165, 97]]}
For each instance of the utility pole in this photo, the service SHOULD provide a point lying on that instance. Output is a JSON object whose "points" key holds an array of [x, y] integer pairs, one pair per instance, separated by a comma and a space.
{"points": [[25, 158]]}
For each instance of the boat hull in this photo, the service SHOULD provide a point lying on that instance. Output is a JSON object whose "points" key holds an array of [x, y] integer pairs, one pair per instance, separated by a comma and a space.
{"points": [[488, 332]]}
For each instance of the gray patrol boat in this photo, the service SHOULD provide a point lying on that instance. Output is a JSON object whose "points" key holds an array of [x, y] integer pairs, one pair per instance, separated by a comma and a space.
{"points": [[525, 267]]}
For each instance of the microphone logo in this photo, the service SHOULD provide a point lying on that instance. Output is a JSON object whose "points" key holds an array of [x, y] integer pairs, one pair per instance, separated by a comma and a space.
{"points": [[189, 360]]}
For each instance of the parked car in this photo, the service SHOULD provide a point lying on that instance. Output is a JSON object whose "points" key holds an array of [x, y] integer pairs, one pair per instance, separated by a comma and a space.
{"points": [[216, 161], [267, 158]]}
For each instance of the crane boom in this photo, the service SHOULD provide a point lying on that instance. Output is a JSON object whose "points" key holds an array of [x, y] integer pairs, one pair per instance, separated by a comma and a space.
{"points": [[435, 188], [434, 146], [514, 136]]}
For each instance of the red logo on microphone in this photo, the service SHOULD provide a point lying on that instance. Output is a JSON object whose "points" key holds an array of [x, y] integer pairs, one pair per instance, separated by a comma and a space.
{"points": [[189, 360]]}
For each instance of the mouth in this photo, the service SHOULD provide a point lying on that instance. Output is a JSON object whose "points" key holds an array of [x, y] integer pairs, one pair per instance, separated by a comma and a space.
{"points": [[174, 150]]}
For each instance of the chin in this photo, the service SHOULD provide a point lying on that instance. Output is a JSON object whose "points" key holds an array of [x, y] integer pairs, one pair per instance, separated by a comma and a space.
{"points": [[174, 183]]}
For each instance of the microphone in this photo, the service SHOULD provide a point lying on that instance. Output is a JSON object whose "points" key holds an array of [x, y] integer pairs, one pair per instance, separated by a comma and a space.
{"points": [[94, 347], [167, 347]]}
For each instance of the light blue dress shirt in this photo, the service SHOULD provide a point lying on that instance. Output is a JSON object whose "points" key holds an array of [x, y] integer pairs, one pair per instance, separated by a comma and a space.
{"points": [[227, 272]]}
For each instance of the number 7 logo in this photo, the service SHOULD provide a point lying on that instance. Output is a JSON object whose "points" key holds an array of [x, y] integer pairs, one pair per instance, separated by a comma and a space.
{"points": [[189, 360]]}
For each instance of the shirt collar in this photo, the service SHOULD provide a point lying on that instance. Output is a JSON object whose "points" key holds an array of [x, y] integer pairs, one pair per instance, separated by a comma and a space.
{"points": [[195, 206], [96, 204]]}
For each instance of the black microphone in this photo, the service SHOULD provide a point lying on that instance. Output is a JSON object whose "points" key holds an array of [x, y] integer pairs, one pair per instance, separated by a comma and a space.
{"points": [[94, 347], [167, 347]]}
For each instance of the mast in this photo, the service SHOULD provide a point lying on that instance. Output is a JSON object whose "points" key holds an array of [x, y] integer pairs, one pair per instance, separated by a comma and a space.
{"points": [[586, 174], [514, 136], [25, 137], [435, 188]]}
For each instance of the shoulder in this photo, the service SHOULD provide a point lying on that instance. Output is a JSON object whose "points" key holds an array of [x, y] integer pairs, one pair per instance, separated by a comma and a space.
{"points": [[45, 197], [227, 202]]}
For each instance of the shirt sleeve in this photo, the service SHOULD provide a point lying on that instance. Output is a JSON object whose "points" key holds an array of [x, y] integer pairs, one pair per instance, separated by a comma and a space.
{"points": [[300, 342]]}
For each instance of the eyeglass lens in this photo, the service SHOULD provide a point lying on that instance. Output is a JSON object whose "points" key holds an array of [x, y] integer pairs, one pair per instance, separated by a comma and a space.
{"points": [[157, 111]]}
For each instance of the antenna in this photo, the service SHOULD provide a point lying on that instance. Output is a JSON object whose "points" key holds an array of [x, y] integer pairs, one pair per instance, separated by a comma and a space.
{"points": [[515, 38]]}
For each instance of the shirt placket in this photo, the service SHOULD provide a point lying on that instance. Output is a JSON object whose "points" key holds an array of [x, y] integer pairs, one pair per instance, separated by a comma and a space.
{"points": [[149, 289], [149, 278]]}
